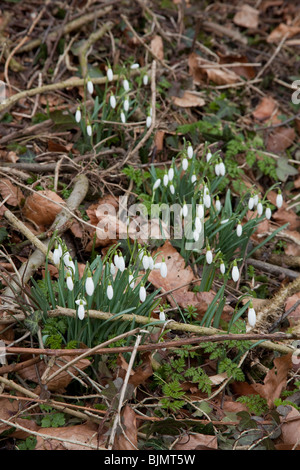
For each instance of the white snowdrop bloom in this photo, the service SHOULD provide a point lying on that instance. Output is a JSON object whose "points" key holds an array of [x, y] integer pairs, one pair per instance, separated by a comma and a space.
{"points": [[145, 262], [109, 74], [116, 260], [224, 221], [166, 179], [185, 164], [217, 169], [268, 213], [89, 285], [259, 208], [112, 101], [69, 281], [162, 316], [255, 199], [151, 262], [131, 281], [222, 169], [185, 210], [171, 173], [126, 104], [109, 292], [190, 152], [57, 253], [200, 211], [239, 229], [251, 316], [78, 115], [207, 201], [279, 200], [251, 203], [198, 224], [156, 184], [172, 189], [112, 269], [89, 130], [135, 66], [68, 261], [145, 79], [121, 263], [148, 121], [126, 85], [142, 293], [193, 178], [208, 156], [81, 310], [157, 266], [218, 205], [235, 273], [163, 268], [196, 235], [222, 267], [123, 118], [209, 256], [90, 87]]}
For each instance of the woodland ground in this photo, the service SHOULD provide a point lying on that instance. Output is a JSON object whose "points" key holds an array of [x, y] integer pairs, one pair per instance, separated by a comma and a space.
{"points": [[223, 76]]}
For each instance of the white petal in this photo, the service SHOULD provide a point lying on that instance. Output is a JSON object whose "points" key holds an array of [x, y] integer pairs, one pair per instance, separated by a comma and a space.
{"points": [[123, 118], [145, 79], [110, 74], [235, 273], [78, 115], [163, 269], [134, 66], [171, 173], [90, 87], [89, 130], [56, 256], [126, 85], [279, 200], [172, 189], [126, 105], [112, 101], [190, 151], [148, 121], [145, 262], [166, 180], [185, 164], [81, 312], [156, 184], [239, 230], [70, 284], [268, 213], [222, 268], [142, 294], [89, 286], [209, 257], [259, 208], [251, 203], [162, 316], [208, 156], [109, 292], [251, 317]]}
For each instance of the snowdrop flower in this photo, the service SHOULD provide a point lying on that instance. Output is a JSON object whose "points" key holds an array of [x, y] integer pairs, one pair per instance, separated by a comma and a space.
{"points": [[112, 269], [255, 199], [251, 315], [209, 256], [200, 211], [69, 262], [78, 115], [171, 173], [166, 179], [142, 293], [112, 101], [198, 224], [151, 262], [218, 205], [81, 310], [162, 316], [190, 151], [217, 169], [109, 74], [145, 79], [172, 189], [222, 169], [163, 268], [222, 267], [121, 263], [268, 213], [130, 280], [69, 281], [135, 66], [89, 130], [196, 235], [224, 221], [123, 118], [239, 229], [208, 156], [207, 200], [148, 121], [126, 104], [89, 285], [185, 210], [185, 164], [109, 291], [156, 184], [193, 178], [251, 203], [126, 85], [235, 272], [259, 208], [57, 253], [90, 87], [145, 262], [279, 199]]}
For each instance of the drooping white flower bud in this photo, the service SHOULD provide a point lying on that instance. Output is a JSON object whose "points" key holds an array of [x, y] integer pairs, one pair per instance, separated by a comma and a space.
{"points": [[162, 316], [145, 262], [123, 118], [69, 281], [166, 179], [259, 208], [217, 169], [89, 285], [193, 178], [145, 79], [279, 199], [200, 211], [130, 280], [126, 104], [185, 210], [207, 200], [239, 229], [78, 115], [57, 253], [134, 66], [156, 184], [209, 256], [142, 293], [190, 151], [222, 169], [196, 235], [235, 274], [251, 316], [171, 173], [126, 85], [121, 263], [81, 310], [218, 204], [148, 121], [222, 267], [112, 101], [163, 268], [208, 156], [109, 74], [90, 87], [198, 224], [251, 203], [109, 291], [172, 189], [185, 164], [89, 130], [268, 213]]}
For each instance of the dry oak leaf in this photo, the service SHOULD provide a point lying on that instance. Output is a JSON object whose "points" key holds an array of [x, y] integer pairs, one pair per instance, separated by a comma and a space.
{"points": [[82, 433], [290, 428], [14, 194], [283, 30], [247, 17], [283, 216], [275, 379], [203, 71], [280, 140], [188, 100], [192, 441], [42, 207], [9, 408], [126, 438], [244, 71], [266, 109], [157, 47]]}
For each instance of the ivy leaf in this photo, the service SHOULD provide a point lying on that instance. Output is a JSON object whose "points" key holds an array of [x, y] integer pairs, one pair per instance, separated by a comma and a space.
{"points": [[284, 169]]}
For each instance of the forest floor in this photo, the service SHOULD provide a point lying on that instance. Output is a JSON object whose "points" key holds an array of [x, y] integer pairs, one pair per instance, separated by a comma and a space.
{"points": [[126, 324]]}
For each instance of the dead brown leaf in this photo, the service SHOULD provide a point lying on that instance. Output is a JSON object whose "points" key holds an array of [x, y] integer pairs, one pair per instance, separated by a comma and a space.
{"points": [[244, 71], [14, 194], [283, 216], [126, 438], [188, 100], [280, 139], [8, 409], [157, 47], [247, 17], [42, 210], [290, 427], [203, 71], [139, 375], [266, 109], [283, 30], [82, 433], [192, 441], [294, 316], [275, 379]]}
